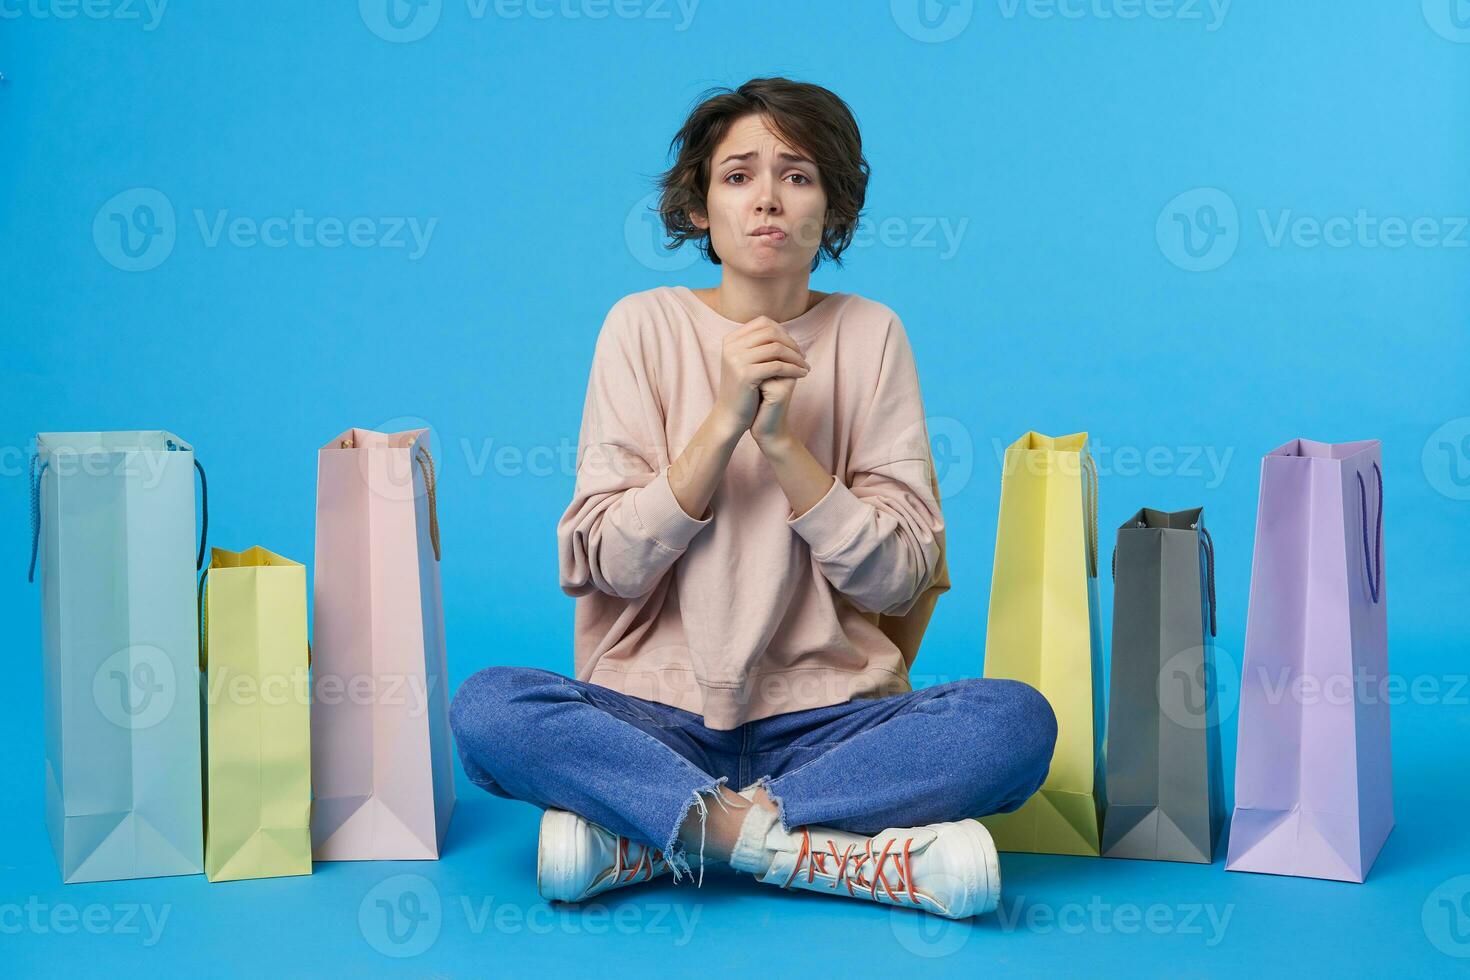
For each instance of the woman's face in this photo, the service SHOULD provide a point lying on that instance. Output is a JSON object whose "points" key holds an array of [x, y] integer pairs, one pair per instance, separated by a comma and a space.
{"points": [[759, 183]]}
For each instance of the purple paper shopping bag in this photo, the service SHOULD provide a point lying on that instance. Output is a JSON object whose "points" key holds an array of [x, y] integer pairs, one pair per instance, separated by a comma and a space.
{"points": [[1313, 778]]}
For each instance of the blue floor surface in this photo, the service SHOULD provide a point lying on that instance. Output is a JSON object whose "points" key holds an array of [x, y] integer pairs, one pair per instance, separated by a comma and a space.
{"points": [[476, 912]]}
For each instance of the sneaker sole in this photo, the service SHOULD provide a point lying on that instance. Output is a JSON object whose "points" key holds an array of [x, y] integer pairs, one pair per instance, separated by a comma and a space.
{"points": [[558, 859], [985, 845]]}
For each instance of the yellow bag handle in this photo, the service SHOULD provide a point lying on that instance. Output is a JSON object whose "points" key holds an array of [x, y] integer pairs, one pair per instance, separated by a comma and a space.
{"points": [[203, 621]]}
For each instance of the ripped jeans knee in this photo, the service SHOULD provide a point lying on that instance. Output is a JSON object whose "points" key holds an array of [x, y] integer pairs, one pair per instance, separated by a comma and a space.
{"points": [[674, 851]]}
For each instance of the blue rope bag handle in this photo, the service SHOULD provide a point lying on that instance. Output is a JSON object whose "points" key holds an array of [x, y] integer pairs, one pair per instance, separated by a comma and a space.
{"points": [[1372, 558], [204, 523], [38, 470], [203, 503]]}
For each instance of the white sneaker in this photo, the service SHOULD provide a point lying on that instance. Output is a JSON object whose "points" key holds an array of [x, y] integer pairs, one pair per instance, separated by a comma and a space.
{"points": [[949, 869], [577, 859]]}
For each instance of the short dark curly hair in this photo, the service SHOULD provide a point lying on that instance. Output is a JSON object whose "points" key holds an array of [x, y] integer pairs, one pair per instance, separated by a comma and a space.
{"points": [[808, 117]]}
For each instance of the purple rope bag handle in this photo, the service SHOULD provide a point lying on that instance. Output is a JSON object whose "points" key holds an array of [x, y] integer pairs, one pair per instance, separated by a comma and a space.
{"points": [[1372, 558]]}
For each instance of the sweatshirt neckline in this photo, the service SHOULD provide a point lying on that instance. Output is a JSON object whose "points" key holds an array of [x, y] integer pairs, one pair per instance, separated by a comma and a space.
{"points": [[714, 325]]}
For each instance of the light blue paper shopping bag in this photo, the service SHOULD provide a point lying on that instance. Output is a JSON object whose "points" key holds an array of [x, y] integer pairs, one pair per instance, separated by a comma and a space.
{"points": [[113, 541]]}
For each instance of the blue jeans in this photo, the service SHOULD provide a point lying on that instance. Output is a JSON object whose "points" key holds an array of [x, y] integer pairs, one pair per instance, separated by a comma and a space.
{"points": [[960, 749]]}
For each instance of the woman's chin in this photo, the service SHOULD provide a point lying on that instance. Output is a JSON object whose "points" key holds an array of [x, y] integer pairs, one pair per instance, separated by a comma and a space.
{"points": [[770, 264]]}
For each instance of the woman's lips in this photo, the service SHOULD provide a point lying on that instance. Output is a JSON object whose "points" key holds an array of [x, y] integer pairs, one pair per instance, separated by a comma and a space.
{"points": [[772, 237]]}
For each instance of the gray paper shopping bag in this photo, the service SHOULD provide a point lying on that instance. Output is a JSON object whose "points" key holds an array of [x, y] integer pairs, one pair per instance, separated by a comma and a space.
{"points": [[1165, 789]]}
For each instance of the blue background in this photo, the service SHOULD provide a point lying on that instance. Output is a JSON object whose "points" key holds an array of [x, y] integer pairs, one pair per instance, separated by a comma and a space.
{"points": [[1057, 145]]}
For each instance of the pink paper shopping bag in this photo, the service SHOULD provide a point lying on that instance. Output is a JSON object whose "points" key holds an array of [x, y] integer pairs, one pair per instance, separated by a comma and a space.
{"points": [[381, 761]]}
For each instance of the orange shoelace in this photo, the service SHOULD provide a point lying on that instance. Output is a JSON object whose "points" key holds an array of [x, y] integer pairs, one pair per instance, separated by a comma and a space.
{"points": [[847, 868], [650, 861]]}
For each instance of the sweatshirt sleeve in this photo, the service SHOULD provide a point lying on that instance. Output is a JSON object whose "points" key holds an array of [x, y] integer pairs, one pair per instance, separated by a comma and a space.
{"points": [[624, 528], [879, 541]]}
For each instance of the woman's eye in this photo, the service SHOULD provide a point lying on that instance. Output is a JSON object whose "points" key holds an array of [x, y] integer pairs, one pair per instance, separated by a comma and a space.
{"points": [[740, 178]]}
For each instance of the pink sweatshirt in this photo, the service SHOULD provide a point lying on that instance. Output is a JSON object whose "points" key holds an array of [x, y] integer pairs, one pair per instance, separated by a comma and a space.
{"points": [[747, 612]]}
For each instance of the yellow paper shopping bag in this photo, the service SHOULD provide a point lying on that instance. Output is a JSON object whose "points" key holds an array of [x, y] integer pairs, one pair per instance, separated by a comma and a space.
{"points": [[1043, 629], [253, 651]]}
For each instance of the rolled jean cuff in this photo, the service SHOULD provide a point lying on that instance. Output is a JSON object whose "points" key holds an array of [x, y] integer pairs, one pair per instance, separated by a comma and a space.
{"points": [[777, 800]]}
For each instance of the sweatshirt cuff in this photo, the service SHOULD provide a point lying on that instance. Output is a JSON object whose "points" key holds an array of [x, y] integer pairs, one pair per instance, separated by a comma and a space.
{"points": [[663, 517], [832, 521]]}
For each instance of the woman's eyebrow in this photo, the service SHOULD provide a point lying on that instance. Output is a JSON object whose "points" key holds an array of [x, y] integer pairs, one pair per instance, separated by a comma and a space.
{"points": [[748, 154]]}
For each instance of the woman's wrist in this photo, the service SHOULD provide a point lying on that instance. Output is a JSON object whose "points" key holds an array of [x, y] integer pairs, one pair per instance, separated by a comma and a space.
{"points": [[724, 426], [781, 445]]}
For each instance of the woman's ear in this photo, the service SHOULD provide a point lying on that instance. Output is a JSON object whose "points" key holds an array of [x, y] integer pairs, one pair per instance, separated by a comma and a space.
{"points": [[699, 219]]}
